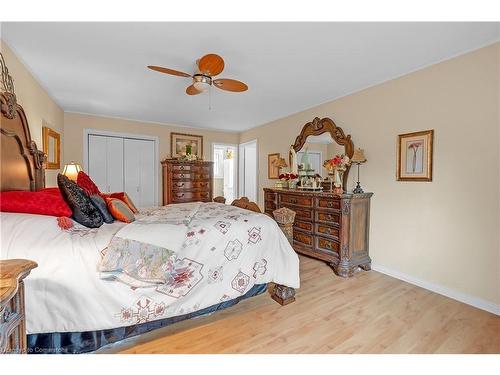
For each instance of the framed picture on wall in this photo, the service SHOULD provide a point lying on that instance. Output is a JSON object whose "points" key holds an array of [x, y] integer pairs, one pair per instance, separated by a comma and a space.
{"points": [[415, 156], [51, 141], [182, 144], [273, 172]]}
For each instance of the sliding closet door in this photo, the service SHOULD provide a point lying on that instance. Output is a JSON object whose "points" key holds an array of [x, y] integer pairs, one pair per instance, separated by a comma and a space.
{"points": [[139, 159], [115, 164], [106, 162], [97, 161]]}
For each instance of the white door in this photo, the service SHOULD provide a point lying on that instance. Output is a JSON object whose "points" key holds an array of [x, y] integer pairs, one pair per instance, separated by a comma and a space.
{"points": [[248, 170], [106, 162], [97, 167], [139, 167], [115, 164]]}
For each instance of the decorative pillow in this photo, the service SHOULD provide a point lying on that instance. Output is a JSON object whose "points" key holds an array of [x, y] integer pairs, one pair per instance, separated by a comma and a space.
{"points": [[34, 202], [102, 207], [125, 198], [84, 211], [120, 210], [51, 190], [85, 182]]}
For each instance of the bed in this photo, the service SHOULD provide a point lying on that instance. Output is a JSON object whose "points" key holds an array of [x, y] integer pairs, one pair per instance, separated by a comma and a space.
{"points": [[80, 298]]}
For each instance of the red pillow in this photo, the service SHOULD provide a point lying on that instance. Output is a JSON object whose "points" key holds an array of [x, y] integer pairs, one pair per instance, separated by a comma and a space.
{"points": [[85, 182], [51, 190], [34, 202]]}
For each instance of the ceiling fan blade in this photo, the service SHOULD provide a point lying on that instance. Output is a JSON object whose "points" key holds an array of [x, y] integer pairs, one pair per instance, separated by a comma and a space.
{"points": [[168, 71], [230, 85], [191, 90], [211, 64]]}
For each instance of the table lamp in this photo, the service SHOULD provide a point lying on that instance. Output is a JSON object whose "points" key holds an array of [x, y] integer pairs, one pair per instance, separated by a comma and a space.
{"points": [[358, 158], [71, 170]]}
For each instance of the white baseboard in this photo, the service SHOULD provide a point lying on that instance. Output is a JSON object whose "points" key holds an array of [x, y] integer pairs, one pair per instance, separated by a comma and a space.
{"points": [[459, 296]]}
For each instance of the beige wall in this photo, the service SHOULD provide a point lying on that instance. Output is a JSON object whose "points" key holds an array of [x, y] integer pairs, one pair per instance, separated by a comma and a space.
{"points": [[446, 231], [74, 125], [40, 108]]}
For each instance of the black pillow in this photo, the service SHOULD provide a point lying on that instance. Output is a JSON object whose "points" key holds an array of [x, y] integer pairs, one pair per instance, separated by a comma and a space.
{"points": [[102, 207], [84, 211]]}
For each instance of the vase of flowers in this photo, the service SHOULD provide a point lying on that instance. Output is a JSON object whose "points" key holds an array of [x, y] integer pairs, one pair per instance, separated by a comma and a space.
{"points": [[288, 180], [336, 167]]}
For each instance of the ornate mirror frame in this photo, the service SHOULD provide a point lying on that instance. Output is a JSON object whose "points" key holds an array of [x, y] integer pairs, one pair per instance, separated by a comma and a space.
{"points": [[319, 126]]}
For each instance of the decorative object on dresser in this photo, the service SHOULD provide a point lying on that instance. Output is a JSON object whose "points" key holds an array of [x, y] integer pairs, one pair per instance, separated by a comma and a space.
{"points": [[415, 152], [187, 181], [51, 147], [12, 316], [327, 226], [358, 158], [273, 170], [186, 146]]}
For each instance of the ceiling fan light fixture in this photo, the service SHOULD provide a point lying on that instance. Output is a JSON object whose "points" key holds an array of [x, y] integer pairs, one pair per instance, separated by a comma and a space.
{"points": [[202, 82]]}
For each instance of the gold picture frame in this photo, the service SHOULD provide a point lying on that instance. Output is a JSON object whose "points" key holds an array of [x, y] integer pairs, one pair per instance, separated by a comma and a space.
{"points": [[178, 142], [273, 172], [51, 147], [414, 158]]}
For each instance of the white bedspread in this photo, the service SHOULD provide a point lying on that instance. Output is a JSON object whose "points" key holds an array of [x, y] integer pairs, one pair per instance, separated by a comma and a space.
{"points": [[67, 294]]}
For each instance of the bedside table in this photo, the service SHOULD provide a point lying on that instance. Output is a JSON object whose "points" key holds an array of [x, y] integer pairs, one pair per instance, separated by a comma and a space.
{"points": [[12, 319]]}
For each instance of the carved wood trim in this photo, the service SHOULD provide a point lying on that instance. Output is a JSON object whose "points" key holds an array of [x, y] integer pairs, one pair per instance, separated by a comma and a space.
{"points": [[319, 126], [246, 204]]}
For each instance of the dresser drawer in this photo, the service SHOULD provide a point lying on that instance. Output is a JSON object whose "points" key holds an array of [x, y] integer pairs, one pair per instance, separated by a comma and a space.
{"points": [[190, 185], [327, 230], [303, 225], [270, 205], [303, 238], [296, 200], [328, 203], [327, 244], [328, 217], [269, 196], [190, 176], [300, 213], [181, 168], [179, 196]]}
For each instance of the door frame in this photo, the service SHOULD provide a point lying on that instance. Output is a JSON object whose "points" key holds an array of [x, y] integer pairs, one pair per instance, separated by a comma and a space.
{"points": [[241, 169], [236, 164], [106, 133]]}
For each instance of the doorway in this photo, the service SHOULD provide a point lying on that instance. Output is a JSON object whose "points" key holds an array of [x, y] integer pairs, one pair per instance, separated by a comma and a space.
{"points": [[249, 170], [225, 158]]}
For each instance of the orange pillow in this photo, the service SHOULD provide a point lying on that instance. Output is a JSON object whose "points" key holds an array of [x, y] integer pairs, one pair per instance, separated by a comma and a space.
{"points": [[123, 197], [120, 210]]}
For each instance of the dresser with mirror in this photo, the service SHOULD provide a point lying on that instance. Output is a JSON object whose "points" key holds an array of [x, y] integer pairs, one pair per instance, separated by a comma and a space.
{"points": [[330, 226]]}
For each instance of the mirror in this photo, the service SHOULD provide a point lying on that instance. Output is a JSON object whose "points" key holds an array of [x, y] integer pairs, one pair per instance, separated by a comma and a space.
{"points": [[322, 139], [52, 147]]}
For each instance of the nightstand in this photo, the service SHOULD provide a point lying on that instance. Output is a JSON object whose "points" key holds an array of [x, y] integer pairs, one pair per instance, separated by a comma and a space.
{"points": [[12, 319]]}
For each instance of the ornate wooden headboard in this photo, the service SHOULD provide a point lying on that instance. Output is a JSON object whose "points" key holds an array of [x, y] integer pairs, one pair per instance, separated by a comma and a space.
{"points": [[21, 163]]}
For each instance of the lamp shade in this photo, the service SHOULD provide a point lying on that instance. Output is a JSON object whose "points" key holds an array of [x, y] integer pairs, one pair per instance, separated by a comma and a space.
{"points": [[359, 156], [71, 170], [280, 163]]}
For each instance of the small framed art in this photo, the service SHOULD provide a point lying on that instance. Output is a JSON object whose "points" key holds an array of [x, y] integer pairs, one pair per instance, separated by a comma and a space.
{"points": [[273, 172], [183, 144], [415, 156]]}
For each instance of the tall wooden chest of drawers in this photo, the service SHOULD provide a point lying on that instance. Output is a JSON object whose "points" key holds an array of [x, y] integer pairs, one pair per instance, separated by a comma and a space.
{"points": [[187, 181], [328, 226]]}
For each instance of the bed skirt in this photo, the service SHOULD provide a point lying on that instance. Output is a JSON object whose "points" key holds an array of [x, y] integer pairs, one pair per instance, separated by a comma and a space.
{"points": [[89, 341]]}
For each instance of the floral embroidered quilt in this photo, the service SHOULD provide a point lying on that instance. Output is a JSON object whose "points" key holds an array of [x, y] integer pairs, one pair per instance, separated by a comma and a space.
{"points": [[171, 261]]}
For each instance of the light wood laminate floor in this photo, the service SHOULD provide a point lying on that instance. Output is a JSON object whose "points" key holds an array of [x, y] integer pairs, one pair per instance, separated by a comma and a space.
{"points": [[370, 313]]}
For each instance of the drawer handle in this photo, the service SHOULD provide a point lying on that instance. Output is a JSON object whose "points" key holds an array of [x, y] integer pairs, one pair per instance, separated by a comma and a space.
{"points": [[293, 200], [179, 195], [328, 231], [329, 204], [180, 184], [328, 245], [181, 168], [329, 217], [182, 175]]}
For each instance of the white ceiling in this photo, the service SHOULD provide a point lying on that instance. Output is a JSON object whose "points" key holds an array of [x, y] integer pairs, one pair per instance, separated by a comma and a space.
{"points": [[100, 68]]}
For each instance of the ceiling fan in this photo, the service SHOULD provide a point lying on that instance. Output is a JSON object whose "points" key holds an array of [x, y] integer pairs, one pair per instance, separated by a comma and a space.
{"points": [[208, 66]]}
